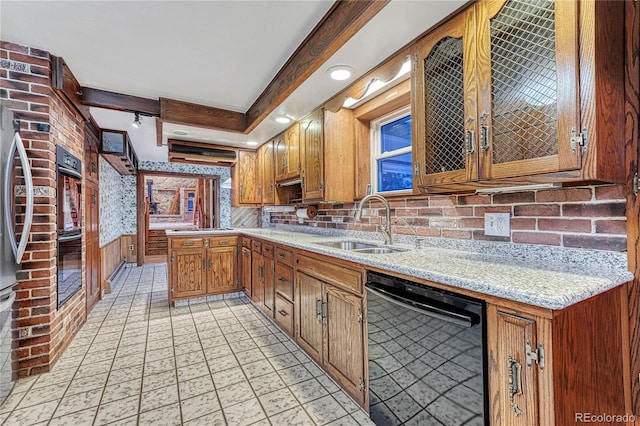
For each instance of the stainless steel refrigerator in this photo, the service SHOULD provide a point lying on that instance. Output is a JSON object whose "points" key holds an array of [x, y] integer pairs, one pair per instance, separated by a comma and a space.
{"points": [[16, 177]]}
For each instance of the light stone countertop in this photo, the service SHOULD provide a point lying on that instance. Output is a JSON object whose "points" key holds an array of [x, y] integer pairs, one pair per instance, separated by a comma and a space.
{"points": [[553, 285]]}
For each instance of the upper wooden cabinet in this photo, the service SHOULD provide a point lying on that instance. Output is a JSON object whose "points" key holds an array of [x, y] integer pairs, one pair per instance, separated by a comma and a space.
{"points": [[287, 154], [504, 92], [267, 173], [246, 179], [117, 149], [328, 156]]}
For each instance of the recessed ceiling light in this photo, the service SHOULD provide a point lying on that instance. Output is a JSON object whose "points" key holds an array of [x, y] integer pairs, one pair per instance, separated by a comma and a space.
{"points": [[340, 72], [283, 119], [252, 143], [180, 132]]}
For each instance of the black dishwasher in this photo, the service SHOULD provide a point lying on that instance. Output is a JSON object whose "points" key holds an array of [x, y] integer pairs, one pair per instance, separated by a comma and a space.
{"points": [[426, 355]]}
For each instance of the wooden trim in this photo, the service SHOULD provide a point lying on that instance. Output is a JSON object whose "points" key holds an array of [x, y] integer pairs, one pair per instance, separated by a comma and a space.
{"points": [[179, 112], [340, 23], [140, 217], [67, 86], [632, 143], [158, 131], [118, 101]]}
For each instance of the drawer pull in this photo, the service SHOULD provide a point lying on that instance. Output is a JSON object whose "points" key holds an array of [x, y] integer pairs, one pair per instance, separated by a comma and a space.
{"points": [[188, 243], [281, 255], [283, 313], [282, 280], [223, 242]]}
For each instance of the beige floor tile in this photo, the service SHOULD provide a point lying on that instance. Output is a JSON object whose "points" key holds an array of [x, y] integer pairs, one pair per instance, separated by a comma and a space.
{"points": [[169, 415], [41, 412], [195, 387], [293, 417], [228, 377], [121, 390], [278, 401], [245, 413], [324, 410], [211, 419], [78, 402], [40, 395], [199, 406], [235, 394], [267, 383], [83, 417], [192, 371], [159, 398]]}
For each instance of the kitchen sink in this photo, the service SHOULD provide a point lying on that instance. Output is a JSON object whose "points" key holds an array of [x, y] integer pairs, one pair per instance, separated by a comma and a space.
{"points": [[381, 250], [348, 245]]}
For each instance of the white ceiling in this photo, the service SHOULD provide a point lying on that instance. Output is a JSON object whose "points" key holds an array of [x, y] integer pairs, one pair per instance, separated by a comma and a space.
{"points": [[215, 53]]}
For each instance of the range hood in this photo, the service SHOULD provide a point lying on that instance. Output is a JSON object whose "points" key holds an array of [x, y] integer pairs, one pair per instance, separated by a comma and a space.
{"points": [[194, 152]]}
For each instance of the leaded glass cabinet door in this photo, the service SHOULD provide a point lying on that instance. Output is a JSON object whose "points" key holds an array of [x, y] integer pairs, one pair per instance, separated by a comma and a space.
{"points": [[445, 104], [528, 101]]}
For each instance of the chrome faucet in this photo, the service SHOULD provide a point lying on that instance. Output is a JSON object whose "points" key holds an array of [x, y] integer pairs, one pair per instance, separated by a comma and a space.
{"points": [[386, 229]]}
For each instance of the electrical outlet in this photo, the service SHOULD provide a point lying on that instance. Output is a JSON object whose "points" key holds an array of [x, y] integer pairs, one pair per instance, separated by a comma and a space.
{"points": [[130, 247], [497, 224]]}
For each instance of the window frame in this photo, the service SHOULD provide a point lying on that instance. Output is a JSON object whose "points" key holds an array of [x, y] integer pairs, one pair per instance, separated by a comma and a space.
{"points": [[376, 148]]}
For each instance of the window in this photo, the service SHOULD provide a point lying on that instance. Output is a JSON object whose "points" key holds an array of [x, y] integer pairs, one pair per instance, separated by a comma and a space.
{"points": [[391, 152]]}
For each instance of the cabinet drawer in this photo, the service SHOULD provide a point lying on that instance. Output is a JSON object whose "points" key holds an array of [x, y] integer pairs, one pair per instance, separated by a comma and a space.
{"points": [[187, 242], [284, 280], [256, 245], [284, 314], [246, 242], [223, 241], [267, 250], [328, 270], [284, 256]]}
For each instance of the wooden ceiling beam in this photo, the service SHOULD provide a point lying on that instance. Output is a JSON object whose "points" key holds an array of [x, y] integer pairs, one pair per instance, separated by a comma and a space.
{"points": [[342, 21], [178, 112], [119, 102]]}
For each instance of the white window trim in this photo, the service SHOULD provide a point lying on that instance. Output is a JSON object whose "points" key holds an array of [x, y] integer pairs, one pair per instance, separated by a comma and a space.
{"points": [[374, 129]]}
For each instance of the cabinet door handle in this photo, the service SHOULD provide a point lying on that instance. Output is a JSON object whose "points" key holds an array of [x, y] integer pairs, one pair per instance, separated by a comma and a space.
{"points": [[515, 384], [324, 309], [283, 313], [188, 243], [281, 255], [318, 307], [282, 280], [209, 263], [223, 242], [469, 139], [484, 137]]}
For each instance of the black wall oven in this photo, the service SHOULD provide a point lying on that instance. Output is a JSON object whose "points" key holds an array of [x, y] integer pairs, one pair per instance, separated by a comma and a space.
{"points": [[427, 363], [69, 199]]}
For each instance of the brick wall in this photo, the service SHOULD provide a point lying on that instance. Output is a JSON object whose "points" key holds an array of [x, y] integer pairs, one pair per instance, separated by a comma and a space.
{"points": [[583, 217], [42, 331]]}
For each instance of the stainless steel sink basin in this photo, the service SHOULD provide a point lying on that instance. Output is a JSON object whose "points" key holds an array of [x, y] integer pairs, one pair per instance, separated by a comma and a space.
{"points": [[381, 250], [347, 245]]}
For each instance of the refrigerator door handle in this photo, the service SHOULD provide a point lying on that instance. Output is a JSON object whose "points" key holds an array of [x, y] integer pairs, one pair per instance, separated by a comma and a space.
{"points": [[18, 247]]}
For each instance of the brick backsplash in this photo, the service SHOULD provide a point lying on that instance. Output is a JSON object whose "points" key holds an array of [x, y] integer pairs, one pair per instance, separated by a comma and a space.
{"points": [[580, 217]]}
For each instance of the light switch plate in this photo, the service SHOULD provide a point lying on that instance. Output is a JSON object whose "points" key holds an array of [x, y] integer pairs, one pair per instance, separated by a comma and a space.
{"points": [[497, 224]]}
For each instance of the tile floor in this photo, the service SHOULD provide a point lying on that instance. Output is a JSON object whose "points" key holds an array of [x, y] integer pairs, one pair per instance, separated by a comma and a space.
{"points": [[138, 362]]}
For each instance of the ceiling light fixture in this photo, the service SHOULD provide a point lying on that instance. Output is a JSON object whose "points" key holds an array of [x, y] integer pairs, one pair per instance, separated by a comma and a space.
{"points": [[283, 119], [137, 122], [340, 72], [252, 143]]}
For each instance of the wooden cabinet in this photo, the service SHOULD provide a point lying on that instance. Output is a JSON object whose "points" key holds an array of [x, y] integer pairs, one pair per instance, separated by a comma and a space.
{"points": [[246, 179], [268, 283], [327, 142], [221, 265], [117, 149], [267, 179], [246, 265], [280, 158], [499, 90], [330, 319], [202, 266], [546, 367], [311, 139]]}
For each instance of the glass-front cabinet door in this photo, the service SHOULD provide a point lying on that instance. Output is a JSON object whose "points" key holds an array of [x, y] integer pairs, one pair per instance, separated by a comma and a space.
{"points": [[528, 104], [445, 103]]}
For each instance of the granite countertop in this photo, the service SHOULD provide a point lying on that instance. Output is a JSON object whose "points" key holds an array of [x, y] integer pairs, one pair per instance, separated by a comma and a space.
{"points": [[527, 279]]}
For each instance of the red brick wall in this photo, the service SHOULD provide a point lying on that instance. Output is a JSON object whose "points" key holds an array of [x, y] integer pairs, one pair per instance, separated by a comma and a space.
{"points": [[25, 88], [585, 217]]}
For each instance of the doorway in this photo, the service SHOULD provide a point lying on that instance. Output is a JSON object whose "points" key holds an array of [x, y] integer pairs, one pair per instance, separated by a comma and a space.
{"points": [[173, 201]]}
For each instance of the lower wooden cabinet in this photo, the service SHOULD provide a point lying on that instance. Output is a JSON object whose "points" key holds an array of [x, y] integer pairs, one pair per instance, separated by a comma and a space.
{"points": [[556, 367], [284, 315], [246, 270], [331, 326], [202, 266]]}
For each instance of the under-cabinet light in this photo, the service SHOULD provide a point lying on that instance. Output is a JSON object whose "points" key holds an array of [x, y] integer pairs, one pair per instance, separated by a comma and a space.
{"points": [[517, 188]]}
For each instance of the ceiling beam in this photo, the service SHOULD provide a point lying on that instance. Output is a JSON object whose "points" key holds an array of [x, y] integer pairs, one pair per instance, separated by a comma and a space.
{"points": [[118, 101], [178, 112], [342, 21]]}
